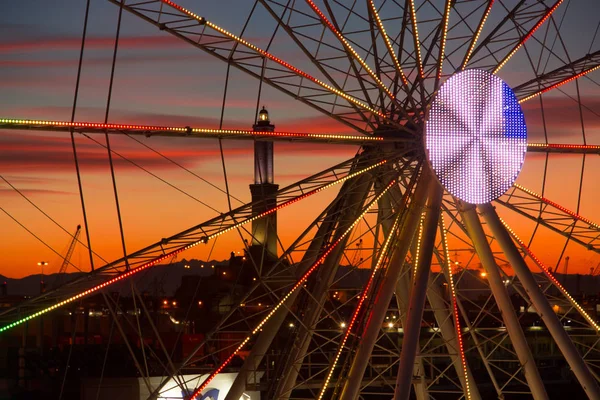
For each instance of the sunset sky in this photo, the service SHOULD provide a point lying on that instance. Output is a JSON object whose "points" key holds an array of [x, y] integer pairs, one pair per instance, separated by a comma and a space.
{"points": [[163, 81]]}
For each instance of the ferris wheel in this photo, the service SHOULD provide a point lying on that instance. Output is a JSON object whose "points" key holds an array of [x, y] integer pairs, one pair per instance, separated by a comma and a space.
{"points": [[431, 271]]}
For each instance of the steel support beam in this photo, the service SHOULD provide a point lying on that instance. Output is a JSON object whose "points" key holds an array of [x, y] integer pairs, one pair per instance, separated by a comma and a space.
{"points": [[543, 308], [383, 297], [517, 337], [416, 305], [443, 317]]}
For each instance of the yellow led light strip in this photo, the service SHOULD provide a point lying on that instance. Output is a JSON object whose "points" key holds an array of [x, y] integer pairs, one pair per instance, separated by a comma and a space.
{"points": [[153, 128], [559, 146], [413, 17], [418, 247], [443, 41], [183, 248], [477, 34], [550, 276], [271, 57], [459, 337], [302, 280], [526, 37], [349, 47], [567, 80], [388, 43], [362, 298]]}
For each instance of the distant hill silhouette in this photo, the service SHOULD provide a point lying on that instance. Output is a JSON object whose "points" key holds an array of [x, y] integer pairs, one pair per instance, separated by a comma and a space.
{"points": [[163, 279]]}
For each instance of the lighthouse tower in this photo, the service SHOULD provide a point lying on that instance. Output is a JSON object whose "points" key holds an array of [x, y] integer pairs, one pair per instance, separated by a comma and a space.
{"points": [[264, 230]]}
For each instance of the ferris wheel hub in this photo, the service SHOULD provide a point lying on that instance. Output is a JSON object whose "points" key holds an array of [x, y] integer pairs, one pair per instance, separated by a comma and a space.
{"points": [[475, 136]]}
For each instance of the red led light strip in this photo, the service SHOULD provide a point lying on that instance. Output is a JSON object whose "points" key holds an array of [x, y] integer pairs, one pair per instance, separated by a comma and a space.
{"points": [[583, 148], [550, 276], [459, 337], [567, 80], [302, 280], [186, 247], [529, 35], [153, 128], [556, 205], [348, 47], [272, 57], [477, 34], [361, 300]]}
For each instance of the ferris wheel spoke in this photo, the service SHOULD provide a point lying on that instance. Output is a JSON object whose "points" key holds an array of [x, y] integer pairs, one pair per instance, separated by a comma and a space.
{"points": [[510, 34], [558, 77], [551, 277], [473, 41], [444, 36], [526, 37], [388, 44], [190, 132], [553, 216], [561, 148], [351, 52], [416, 41], [543, 308]]}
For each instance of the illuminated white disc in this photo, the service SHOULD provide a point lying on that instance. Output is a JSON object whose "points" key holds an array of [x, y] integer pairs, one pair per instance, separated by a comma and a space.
{"points": [[475, 136]]}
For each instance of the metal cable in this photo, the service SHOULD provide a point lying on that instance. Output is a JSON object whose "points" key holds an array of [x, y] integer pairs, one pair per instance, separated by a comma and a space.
{"points": [[49, 217], [112, 169], [36, 236], [151, 174], [184, 168], [85, 220]]}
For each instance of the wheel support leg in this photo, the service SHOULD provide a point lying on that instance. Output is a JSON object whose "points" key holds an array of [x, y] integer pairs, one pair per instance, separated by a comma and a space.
{"points": [[566, 346], [384, 295], [418, 293], [517, 337]]}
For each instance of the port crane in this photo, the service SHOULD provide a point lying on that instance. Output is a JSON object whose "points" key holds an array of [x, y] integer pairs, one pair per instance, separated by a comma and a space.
{"points": [[67, 257]]}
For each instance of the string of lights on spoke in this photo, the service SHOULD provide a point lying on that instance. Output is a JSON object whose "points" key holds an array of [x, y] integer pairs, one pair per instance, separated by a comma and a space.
{"points": [[550, 276], [388, 43], [361, 299], [273, 58], [455, 313], [563, 148], [556, 205], [477, 34], [527, 36], [417, 42], [443, 40], [349, 48], [183, 248], [564, 81], [298, 284], [149, 130]]}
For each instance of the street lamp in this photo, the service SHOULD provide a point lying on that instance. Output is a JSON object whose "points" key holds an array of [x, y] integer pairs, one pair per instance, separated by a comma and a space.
{"points": [[42, 286], [41, 264]]}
